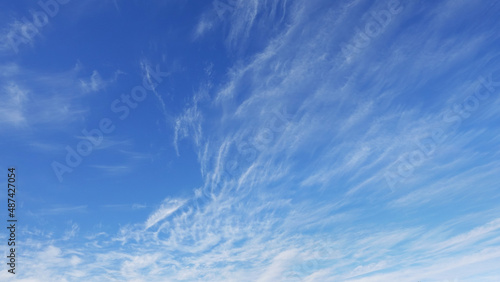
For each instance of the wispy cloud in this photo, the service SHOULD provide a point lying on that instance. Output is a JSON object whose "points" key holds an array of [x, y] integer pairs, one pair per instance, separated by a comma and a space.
{"points": [[47, 94], [126, 206], [71, 232], [12, 110], [168, 207], [147, 77], [113, 169], [62, 210], [94, 83], [189, 124]]}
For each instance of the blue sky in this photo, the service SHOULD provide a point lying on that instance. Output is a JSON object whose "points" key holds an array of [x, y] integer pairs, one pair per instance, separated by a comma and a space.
{"points": [[234, 140]]}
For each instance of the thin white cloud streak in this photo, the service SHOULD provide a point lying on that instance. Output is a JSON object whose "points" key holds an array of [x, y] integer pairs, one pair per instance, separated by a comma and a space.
{"points": [[189, 124], [146, 67], [61, 210], [113, 169], [12, 110], [168, 207]]}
